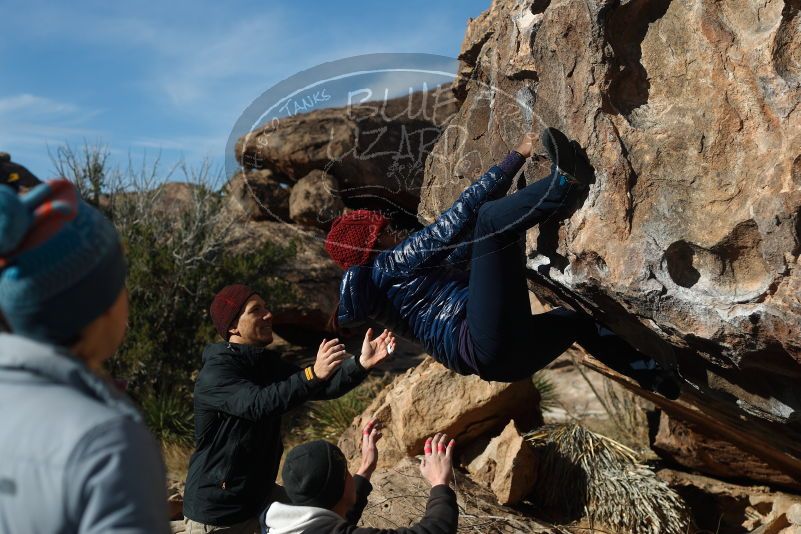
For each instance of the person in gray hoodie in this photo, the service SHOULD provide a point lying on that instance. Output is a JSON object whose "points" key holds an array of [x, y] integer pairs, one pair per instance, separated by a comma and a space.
{"points": [[76, 455], [327, 499]]}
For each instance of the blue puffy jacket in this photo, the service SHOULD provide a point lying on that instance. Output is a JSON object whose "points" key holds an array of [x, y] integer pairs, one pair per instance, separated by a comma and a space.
{"points": [[417, 289]]}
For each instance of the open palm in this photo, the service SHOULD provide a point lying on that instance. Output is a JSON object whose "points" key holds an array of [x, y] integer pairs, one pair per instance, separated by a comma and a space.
{"points": [[375, 351]]}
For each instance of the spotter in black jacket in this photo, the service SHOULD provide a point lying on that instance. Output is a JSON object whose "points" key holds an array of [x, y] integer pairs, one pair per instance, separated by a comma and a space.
{"points": [[240, 395]]}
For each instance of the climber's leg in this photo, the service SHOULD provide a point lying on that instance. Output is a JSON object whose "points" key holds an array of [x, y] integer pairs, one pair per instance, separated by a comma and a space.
{"points": [[547, 335], [512, 215], [498, 308], [542, 339], [614, 352]]}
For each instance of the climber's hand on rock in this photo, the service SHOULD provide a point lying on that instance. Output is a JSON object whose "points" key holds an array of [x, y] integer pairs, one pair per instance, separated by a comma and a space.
{"points": [[437, 463], [374, 351], [526, 146], [370, 436], [329, 357]]}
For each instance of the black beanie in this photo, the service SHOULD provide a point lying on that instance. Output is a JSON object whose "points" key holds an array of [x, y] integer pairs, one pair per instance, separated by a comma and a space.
{"points": [[314, 474], [15, 175]]}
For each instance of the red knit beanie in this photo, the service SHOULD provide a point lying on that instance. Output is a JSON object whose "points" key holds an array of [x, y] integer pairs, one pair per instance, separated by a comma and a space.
{"points": [[353, 235], [226, 306]]}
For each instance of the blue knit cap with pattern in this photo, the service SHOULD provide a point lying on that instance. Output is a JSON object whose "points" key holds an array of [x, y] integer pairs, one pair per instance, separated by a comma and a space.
{"points": [[61, 263]]}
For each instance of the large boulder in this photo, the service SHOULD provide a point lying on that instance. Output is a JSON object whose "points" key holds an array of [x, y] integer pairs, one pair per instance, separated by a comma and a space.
{"points": [[376, 150], [508, 466], [724, 507], [315, 200], [258, 195], [688, 243], [685, 444], [400, 495], [429, 399]]}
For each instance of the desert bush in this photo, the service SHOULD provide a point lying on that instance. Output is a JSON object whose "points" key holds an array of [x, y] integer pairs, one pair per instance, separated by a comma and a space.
{"points": [[179, 254], [584, 474], [169, 416]]}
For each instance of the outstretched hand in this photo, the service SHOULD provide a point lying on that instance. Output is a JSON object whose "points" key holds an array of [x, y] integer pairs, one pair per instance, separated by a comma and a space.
{"points": [[370, 436], [437, 463], [375, 351], [329, 356], [526, 146]]}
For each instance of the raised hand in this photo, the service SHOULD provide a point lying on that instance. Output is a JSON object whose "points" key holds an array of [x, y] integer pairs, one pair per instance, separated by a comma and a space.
{"points": [[437, 463], [526, 146], [374, 351], [329, 357], [370, 436]]}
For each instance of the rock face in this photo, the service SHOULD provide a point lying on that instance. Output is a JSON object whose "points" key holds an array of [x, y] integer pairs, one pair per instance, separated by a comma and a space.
{"points": [[375, 150], [430, 399], [683, 443], [688, 243], [400, 494], [508, 466], [315, 200], [258, 195], [731, 509]]}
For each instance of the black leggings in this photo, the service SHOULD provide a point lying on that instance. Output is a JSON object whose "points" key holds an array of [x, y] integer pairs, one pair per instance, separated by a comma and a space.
{"points": [[509, 343]]}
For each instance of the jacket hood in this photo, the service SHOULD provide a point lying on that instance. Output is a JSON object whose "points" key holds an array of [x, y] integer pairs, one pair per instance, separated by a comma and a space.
{"points": [[29, 360], [287, 519]]}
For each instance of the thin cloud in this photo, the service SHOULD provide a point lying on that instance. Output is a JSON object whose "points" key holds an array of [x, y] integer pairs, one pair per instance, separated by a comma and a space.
{"points": [[33, 105]]}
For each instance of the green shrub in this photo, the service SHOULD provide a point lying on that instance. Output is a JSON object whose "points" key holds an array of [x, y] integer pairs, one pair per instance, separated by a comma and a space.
{"points": [[169, 416], [179, 254]]}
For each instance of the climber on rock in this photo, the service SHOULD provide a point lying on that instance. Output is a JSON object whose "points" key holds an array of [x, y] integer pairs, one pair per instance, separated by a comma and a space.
{"points": [[478, 322]]}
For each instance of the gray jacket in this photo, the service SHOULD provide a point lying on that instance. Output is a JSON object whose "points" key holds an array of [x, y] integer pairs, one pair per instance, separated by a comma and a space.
{"points": [[74, 453]]}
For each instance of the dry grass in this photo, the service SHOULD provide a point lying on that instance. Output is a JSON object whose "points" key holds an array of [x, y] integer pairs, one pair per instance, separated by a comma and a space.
{"points": [[583, 474], [329, 419], [176, 459]]}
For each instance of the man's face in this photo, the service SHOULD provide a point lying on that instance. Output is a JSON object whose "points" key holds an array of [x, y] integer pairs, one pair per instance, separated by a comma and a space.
{"points": [[255, 324]]}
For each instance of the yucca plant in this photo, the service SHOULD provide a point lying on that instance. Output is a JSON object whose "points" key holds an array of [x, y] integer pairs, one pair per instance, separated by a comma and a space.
{"points": [[169, 416], [549, 398], [584, 474]]}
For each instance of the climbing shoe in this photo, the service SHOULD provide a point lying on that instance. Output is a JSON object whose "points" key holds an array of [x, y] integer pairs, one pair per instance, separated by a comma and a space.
{"points": [[568, 156], [651, 376], [615, 352]]}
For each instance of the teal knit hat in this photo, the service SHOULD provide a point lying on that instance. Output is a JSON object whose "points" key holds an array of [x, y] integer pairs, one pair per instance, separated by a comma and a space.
{"points": [[61, 264]]}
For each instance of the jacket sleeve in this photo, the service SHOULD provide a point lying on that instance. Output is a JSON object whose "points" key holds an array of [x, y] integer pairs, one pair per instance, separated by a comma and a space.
{"points": [[363, 489], [354, 288], [441, 517], [235, 395], [115, 481], [460, 255], [349, 375], [433, 243]]}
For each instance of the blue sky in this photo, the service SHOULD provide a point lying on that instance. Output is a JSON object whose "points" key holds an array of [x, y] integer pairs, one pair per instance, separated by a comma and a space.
{"points": [[173, 76]]}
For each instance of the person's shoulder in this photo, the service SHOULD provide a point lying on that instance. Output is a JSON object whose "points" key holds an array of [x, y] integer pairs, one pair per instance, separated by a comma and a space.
{"points": [[355, 274], [63, 425], [216, 356], [213, 352], [116, 435]]}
